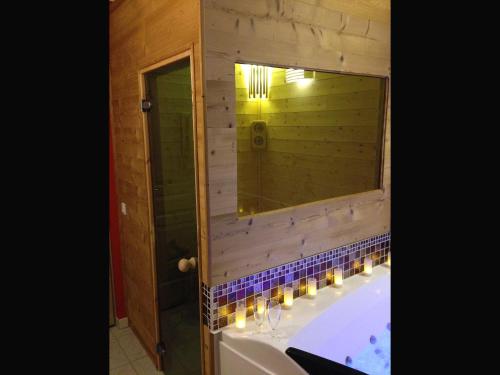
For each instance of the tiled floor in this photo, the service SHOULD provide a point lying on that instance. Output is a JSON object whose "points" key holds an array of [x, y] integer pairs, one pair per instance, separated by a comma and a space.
{"points": [[127, 356]]}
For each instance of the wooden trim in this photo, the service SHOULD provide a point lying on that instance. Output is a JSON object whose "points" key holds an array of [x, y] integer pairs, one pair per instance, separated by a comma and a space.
{"points": [[147, 159], [207, 352], [201, 256], [202, 264], [161, 63], [328, 201], [385, 107], [206, 242]]}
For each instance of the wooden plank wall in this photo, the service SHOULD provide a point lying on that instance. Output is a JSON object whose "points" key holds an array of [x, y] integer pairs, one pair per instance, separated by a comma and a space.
{"points": [[322, 140], [335, 35], [142, 33]]}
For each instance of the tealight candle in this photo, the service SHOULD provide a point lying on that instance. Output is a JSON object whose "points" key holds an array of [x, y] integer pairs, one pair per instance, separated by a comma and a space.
{"points": [[311, 287], [261, 304], [337, 277], [288, 292], [368, 266], [241, 315]]}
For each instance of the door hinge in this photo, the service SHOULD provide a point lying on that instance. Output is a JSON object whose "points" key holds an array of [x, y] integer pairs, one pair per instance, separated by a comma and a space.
{"points": [[160, 348], [145, 105]]}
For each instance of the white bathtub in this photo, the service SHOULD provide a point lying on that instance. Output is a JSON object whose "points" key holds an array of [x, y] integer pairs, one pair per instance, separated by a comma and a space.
{"points": [[336, 324]]}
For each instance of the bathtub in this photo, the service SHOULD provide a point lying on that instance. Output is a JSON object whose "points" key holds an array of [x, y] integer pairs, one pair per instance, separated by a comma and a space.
{"points": [[336, 324]]}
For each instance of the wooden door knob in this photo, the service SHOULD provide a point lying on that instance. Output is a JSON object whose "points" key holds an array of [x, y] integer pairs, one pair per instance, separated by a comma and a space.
{"points": [[187, 264]]}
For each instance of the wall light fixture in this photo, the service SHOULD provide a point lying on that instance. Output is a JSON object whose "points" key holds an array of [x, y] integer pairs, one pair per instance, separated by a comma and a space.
{"points": [[300, 76], [259, 80]]}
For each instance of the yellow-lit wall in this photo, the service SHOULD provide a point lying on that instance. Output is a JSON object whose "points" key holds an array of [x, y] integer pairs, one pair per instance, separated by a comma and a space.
{"points": [[323, 139]]}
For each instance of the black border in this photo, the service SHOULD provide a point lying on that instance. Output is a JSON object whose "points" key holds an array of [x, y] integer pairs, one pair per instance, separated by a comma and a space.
{"points": [[56, 120], [56, 177], [438, 187]]}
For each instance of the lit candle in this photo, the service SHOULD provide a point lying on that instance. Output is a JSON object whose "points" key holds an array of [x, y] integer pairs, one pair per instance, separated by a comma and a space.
{"points": [[368, 266], [388, 262], [311, 287], [241, 315], [337, 277], [288, 292], [261, 304]]}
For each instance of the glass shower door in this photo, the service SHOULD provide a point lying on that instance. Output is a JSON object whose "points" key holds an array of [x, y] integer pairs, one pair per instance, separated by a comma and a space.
{"points": [[171, 143]]}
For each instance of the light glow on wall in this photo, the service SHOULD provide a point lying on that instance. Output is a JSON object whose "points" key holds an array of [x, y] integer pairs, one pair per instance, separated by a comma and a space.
{"points": [[304, 82]]}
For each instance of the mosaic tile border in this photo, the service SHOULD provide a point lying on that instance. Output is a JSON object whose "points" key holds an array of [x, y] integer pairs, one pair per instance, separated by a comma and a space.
{"points": [[219, 302]]}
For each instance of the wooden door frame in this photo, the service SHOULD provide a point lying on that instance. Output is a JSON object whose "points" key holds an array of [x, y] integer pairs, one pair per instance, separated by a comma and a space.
{"points": [[188, 53]]}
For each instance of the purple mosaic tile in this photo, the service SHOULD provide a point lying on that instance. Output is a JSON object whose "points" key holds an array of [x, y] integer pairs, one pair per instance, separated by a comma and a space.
{"points": [[240, 294], [266, 285], [219, 302]]}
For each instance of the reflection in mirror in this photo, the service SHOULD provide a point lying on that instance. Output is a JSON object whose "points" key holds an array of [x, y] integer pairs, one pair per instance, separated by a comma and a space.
{"points": [[304, 136]]}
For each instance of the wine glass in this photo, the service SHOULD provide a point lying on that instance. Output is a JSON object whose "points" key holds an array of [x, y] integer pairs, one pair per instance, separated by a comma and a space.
{"points": [[273, 315], [259, 310]]}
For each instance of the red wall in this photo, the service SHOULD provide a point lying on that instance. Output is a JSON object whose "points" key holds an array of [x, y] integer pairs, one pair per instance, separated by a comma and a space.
{"points": [[114, 233]]}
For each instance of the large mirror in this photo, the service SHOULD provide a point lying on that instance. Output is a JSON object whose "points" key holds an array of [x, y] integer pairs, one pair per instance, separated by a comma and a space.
{"points": [[305, 136]]}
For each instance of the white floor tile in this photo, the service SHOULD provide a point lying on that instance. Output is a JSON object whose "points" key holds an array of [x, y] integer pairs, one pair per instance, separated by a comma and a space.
{"points": [[131, 346], [118, 332], [117, 356], [145, 366], [123, 370]]}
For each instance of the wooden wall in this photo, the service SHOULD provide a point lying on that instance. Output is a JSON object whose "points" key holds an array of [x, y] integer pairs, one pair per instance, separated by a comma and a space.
{"points": [[335, 35], [142, 33], [323, 140]]}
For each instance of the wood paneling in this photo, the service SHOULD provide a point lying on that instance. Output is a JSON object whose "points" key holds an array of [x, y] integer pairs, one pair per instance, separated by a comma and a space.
{"points": [[143, 33], [332, 35]]}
